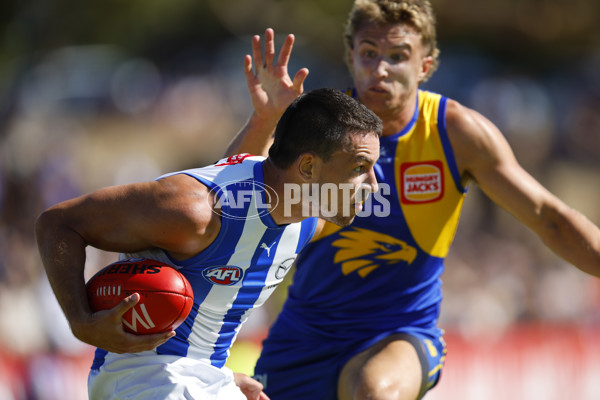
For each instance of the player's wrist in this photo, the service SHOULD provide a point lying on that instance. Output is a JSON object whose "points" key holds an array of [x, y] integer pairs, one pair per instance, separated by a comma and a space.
{"points": [[263, 122], [82, 326]]}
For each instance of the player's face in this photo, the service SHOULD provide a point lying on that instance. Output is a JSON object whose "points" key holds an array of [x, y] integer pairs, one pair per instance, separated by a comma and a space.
{"points": [[388, 62], [349, 177]]}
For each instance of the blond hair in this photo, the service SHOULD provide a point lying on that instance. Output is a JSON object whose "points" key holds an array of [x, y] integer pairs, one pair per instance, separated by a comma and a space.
{"points": [[416, 13]]}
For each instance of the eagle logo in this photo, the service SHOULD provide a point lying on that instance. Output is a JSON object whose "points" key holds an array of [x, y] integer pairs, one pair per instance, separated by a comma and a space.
{"points": [[363, 251]]}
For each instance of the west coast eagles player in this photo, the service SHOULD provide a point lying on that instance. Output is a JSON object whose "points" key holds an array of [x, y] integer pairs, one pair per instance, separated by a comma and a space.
{"points": [[360, 320]]}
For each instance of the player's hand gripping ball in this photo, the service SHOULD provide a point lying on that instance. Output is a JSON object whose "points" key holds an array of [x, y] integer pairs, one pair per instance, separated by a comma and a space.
{"points": [[166, 296]]}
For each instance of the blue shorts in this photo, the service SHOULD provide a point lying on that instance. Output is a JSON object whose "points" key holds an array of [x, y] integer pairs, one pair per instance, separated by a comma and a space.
{"points": [[295, 366]]}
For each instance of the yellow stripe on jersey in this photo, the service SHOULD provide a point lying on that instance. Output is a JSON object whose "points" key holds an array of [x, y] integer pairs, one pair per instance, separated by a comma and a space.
{"points": [[428, 195]]}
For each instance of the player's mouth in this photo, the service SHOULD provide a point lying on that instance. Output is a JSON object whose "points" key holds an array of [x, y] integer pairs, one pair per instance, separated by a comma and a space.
{"points": [[378, 89]]}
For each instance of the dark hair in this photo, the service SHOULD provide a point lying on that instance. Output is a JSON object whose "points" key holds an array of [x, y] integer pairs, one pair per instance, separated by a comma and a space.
{"points": [[320, 121]]}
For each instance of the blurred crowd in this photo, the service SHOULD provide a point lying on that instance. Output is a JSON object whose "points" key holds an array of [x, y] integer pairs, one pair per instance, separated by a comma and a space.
{"points": [[83, 117]]}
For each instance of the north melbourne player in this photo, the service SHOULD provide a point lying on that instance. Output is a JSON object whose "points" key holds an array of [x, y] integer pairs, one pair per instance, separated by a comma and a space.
{"points": [[222, 228]]}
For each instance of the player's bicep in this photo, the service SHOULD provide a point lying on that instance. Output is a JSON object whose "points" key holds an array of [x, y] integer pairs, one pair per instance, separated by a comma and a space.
{"points": [[485, 155], [118, 218]]}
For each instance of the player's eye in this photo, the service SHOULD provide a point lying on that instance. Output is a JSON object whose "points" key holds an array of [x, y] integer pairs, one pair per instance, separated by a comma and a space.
{"points": [[397, 57], [368, 53]]}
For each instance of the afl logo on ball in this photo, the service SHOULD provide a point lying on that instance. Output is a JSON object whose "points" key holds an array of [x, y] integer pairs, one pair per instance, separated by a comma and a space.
{"points": [[226, 275], [422, 182]]}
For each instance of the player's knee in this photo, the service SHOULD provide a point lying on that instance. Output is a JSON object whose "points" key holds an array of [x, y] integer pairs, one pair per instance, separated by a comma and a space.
{"points": [[386, 389]]}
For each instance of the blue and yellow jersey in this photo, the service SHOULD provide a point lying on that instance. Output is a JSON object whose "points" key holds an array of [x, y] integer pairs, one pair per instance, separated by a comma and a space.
{"points": [[383, 271]]}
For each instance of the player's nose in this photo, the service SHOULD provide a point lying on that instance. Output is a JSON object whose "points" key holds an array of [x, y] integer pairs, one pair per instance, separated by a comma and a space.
{"points": [[372, 181], [381, 69]]}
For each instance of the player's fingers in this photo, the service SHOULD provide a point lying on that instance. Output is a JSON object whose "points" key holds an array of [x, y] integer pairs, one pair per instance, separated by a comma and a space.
{"points": [[269, 47], [137, 343], [257, 51], [263, 396], [156, 339], [286, 51], [299, 78], [126, 304], [248, 69]]}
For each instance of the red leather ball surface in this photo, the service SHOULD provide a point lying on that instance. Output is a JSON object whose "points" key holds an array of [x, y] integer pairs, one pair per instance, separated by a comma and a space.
{"points": [[166, 296]]}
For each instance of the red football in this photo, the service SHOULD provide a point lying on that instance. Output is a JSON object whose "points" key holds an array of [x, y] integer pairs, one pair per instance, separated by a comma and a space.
{"points": [[166, 296]]}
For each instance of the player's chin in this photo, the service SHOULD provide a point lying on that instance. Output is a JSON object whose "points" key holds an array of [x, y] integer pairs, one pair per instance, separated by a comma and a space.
{"points": [[341, 220]]}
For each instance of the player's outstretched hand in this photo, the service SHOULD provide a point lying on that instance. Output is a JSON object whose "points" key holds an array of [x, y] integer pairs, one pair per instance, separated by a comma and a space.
{"points": [[105, 330], [251, 388], [270, 86]]}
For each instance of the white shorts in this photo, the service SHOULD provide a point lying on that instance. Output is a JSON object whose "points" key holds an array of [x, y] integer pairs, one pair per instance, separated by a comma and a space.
{"points": [[148, 376]]}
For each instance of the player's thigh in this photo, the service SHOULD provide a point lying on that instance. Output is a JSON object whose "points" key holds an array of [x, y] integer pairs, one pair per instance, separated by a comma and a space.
{"points": [[390, 369]]}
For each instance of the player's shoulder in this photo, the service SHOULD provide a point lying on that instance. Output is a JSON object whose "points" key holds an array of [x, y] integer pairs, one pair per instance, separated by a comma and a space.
{"points": [[186, 199], [187, 209], [465, 123], [457, 113], [476, 141]]}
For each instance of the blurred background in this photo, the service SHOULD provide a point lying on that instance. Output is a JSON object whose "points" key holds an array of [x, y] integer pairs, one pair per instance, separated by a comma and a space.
{"points": [[98, 93]]}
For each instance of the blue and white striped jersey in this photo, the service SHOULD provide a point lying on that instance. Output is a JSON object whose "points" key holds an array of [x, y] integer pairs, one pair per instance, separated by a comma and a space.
{"points": [[239, 270]]}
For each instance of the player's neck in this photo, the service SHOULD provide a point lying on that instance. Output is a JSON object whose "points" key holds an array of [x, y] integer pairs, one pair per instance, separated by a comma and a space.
{"points": [[275, 180], [396, 119]]}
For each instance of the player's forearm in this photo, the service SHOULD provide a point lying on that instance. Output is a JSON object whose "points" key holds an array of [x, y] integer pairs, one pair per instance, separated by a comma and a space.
{"points": [[254, 138], [62, 252], [575, 238]]}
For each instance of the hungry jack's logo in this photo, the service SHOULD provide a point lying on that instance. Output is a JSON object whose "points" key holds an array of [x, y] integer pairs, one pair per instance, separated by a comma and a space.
{"points": [[421, 182], [363, 251]]}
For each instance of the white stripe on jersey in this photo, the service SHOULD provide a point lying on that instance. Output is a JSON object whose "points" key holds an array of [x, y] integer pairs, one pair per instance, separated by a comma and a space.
{"points": [[282, 262], [219, 300]]}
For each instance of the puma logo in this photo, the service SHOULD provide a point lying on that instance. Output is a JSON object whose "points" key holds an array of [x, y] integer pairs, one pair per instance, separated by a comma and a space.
{"points": [[268, 248]]}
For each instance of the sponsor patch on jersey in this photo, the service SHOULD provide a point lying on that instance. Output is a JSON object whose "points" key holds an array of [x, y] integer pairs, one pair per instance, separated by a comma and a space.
{"points": [[225, 275], [422, 182], [236, 159]]}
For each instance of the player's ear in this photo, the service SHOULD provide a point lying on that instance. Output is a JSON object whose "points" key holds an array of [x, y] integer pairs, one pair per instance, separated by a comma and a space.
{"points": [[426, 64], [306, 166]]}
